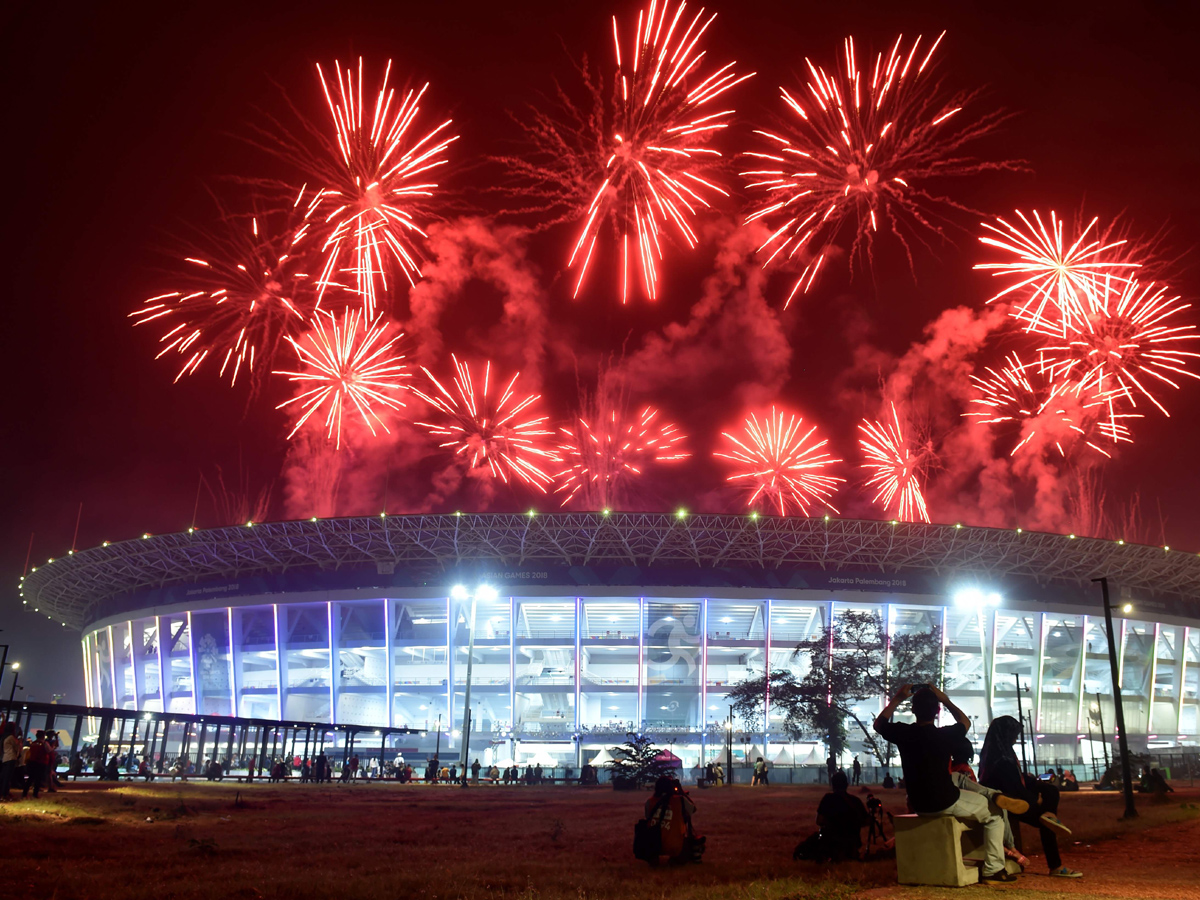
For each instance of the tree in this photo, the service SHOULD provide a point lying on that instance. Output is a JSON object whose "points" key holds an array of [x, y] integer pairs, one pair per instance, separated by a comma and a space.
{"points": [[638, 763], [848, 663]]}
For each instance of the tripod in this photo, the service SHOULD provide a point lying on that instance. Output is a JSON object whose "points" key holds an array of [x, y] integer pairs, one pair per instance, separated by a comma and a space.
{"points": [[875, 831]]}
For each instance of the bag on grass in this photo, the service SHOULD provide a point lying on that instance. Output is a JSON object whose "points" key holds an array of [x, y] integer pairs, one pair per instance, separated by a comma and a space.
{"points": [[647, 834]]}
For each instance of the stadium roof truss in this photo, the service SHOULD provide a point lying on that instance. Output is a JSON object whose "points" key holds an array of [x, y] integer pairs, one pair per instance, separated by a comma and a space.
{"points": [[70, 587]]}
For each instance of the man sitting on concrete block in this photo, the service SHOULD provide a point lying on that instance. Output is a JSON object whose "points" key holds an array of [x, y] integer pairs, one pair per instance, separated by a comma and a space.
{"points": [[925, 756]]}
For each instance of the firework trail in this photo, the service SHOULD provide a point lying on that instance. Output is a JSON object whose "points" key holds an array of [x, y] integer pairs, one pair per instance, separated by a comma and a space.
{"points": [[894, 468], [639, 162], [1043, 402], [782, 464], [346, 364], [855, 154], [491, 425], [373, 186], [1055, 279], [605, 450], [236, 307], [1129, 343]]}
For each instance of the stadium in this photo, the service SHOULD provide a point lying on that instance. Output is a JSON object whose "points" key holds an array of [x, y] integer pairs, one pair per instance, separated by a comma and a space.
{"points": [[590, 625]]}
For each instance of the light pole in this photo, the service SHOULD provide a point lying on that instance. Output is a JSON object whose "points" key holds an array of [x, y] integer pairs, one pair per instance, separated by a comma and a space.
{"points": [[1122, 740], [1103, 736], [460, 593]]}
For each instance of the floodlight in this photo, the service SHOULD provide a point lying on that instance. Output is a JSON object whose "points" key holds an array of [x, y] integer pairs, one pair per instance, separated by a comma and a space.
{"points": [[458, 592]]}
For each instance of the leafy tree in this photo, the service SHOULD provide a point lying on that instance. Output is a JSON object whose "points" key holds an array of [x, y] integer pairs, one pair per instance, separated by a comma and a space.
{"points": [[636, 762], [854, 670]]}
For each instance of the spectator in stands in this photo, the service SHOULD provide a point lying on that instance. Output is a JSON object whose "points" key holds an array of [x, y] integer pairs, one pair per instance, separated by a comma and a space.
{"points": [[925, 757], [841, 818], [999, 769]]}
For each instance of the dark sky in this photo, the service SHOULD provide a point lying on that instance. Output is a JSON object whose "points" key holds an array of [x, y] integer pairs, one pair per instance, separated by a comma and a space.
{"points": [[118, 118]]}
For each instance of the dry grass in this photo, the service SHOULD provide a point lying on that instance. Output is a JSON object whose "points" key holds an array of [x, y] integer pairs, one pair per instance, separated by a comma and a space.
{"points": [[388, 841]]}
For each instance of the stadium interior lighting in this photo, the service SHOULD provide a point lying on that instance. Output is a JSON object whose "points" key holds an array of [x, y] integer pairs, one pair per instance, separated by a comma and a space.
{"points": [[1127, 608], [976, 598]]}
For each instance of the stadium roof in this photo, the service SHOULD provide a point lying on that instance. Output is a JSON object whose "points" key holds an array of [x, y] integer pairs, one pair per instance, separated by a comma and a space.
{"points": [[69, 588]]}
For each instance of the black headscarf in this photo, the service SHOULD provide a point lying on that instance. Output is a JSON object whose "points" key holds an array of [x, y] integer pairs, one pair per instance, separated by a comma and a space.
{"points": [[998, 748]]}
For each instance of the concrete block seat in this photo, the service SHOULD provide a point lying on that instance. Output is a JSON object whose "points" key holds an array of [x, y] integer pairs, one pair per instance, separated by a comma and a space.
{"points": [[941, 850]]}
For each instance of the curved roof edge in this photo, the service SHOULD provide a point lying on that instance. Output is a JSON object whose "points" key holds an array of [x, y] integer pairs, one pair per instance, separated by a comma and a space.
{"points": [[67, 589]]}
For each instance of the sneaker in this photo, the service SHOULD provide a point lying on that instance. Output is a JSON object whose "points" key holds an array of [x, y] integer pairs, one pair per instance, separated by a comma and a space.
{"points": [[1017, 857], [1012, 804], [1050, 820], [1064, 872], [1001, 877]]}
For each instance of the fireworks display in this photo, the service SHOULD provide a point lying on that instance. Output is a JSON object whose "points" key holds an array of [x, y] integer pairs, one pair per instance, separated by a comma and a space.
{"points": [[346, 365], [1131, 342], [373, 191], [1091, 332], [1055, 280], [782, 464], [237, 308], [491, 426], [894, 468], [856, 154], [602, 453], [640, 162], [1048, 408]]}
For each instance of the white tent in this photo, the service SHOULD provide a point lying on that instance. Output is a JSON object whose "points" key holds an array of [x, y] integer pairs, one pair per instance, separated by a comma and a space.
{"points": [[603, 758], [815, 758], [503, 762], [784, 758], [753, 754], [541, 758]]}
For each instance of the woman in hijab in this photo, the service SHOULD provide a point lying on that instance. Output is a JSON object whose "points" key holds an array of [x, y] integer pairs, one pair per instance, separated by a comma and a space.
{"points": [[999, 769]]}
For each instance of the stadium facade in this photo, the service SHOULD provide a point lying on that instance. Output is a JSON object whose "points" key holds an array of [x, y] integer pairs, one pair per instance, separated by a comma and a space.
{"points": [[590, 625]]}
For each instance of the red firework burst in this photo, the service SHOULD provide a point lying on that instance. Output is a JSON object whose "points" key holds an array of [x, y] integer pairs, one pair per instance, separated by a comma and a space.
{"points": [[1048, 408], [648, 168], [373, 189], [857, 157], [237, 307], [1054, 277], [782, 464], [895, 468], [492, 426], [1129, 341], [605, 452], [346, 364]]}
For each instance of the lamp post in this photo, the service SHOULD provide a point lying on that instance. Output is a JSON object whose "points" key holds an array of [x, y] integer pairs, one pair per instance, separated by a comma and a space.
{"points": [[1103, 736], [1021, 716], [1122, 740], [460, 593]]}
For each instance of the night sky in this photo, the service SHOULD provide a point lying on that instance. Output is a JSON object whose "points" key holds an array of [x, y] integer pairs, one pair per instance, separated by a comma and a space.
{"points": [[121, 120]]}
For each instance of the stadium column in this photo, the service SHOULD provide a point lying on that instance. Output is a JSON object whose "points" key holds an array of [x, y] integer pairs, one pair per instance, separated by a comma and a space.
{"points": [[162, 678], [1078, 681], [578, 669], [334, 627], [641, 677], [767, 669], [136, 651], [1182, 644], [512, 667], [1035, 714], [1153, 679], [235, 668], [192, 660], [280, 669], [990, 665], [704, 679], [389, 625], [87, 674], [112, 672]]}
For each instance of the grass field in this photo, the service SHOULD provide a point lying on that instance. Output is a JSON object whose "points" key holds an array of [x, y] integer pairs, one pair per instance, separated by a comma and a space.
{"points": [[202, 840]]}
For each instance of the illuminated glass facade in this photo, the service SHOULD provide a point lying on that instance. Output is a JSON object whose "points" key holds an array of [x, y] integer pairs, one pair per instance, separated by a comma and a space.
{"points": [[563, 675]]}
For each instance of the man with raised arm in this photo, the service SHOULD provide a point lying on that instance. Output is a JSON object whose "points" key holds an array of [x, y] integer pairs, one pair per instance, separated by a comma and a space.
{"points": [[925, 755]]}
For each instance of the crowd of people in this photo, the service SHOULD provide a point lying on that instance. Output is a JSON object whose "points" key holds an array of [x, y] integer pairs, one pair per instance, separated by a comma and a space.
{"points": [[27, 763]]}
